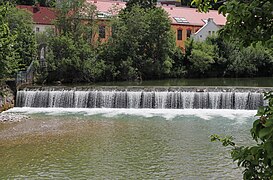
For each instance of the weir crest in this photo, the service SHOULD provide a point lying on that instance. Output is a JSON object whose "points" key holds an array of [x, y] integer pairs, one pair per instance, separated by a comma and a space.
{"points": [[161, 98]]}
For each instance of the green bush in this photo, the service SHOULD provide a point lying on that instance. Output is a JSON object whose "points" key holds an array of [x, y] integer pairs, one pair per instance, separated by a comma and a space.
{"points": [[201, 58], [220, 58]]}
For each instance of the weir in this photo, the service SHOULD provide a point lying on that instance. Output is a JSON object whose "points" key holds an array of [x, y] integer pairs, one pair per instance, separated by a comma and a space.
{"points": [[158, 98]]}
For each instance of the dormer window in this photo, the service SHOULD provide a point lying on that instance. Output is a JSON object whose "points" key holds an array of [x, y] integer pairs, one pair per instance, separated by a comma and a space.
{"points": [[103, 15], [180, 20]]}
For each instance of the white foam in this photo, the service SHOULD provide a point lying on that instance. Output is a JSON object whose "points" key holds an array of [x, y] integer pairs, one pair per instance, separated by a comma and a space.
{"points": [[206, 114]]}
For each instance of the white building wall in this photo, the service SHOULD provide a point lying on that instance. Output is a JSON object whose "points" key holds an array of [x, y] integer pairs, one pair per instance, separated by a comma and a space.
{"points": [[41, 27], [210, 28]]}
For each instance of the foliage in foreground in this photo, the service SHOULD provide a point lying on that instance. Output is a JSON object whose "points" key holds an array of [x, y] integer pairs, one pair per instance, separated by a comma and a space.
{"points": [[256, 160]]}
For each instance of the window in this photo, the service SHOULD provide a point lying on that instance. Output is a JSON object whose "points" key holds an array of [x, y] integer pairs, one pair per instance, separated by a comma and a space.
{"points": [[209, 32], [103, 15], [180, 20], [102, 31], [37, 29], [114, 30], [188, 33], [179, 34]]}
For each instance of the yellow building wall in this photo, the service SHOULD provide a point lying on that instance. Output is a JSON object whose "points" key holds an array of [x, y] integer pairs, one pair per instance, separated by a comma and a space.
{"points": [[108, 32], [184, 28], [175, 27]]}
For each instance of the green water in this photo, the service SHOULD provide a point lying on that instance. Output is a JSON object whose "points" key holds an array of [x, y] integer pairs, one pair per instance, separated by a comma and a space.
{"points": [[77, 146], [250, 82]]}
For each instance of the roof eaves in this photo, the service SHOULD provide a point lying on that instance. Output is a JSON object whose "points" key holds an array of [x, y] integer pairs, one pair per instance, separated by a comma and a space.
{"points": [[187, 24]]}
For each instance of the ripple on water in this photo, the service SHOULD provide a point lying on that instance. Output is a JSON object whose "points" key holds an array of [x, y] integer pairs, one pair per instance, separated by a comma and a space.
{"points": [[121, 146]]}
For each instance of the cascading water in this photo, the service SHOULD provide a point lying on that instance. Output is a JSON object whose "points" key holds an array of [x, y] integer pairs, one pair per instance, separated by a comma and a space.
{"points": [[139, 99]]}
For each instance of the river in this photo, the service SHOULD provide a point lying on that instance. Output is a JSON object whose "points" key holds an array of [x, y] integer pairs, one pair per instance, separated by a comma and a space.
{"points": [[84, 133], [102, 143]]}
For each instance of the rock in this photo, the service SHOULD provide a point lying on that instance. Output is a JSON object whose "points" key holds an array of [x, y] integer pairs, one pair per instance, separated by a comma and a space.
{"points": [[11, 117], [6, 98]]}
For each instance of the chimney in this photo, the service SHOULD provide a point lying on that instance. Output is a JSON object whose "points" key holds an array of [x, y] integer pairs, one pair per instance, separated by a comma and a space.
{"points": [[95, 1], [36, 8], [210, 19], [171, 8], [117, 3]]}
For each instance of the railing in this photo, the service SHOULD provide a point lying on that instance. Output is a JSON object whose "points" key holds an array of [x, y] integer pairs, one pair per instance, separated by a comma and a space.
{"points": [[25, 77]]}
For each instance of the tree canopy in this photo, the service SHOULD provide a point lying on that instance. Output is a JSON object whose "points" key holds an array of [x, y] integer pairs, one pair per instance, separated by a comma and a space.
{"points": [[8, 63], [142, 44], [76, 18], [50, 3], [18, 45], [20, 23], [145, 4]]}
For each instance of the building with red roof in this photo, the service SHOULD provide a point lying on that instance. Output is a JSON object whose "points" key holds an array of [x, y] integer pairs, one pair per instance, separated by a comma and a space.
{"points": [[185, 21], [43, 17]]}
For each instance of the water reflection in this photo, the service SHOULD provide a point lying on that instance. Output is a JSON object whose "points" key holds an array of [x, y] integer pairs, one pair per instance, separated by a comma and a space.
{"points": [[250, 82]]}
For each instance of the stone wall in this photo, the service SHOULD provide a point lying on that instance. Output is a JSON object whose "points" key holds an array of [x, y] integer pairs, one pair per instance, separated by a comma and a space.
{"points": [[6, 98]]}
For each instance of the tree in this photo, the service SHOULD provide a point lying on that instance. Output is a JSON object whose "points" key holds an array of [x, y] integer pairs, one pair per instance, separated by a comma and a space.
{"points": [[249, 20], [8, 55], [200, 57], [142, 44], [145, 4], [186, 2], [48, 3], [76, 18], [71, 56], [20, 23]]}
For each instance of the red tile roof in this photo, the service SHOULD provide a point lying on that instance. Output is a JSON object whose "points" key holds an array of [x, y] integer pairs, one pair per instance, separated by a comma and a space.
{"points": [[47, 15], [193, 16], [106, 6], [190, 14], [42, 15]]}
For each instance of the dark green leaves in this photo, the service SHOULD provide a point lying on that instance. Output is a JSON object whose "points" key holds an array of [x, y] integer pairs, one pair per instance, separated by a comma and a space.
{"points": [[8, 54]]}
